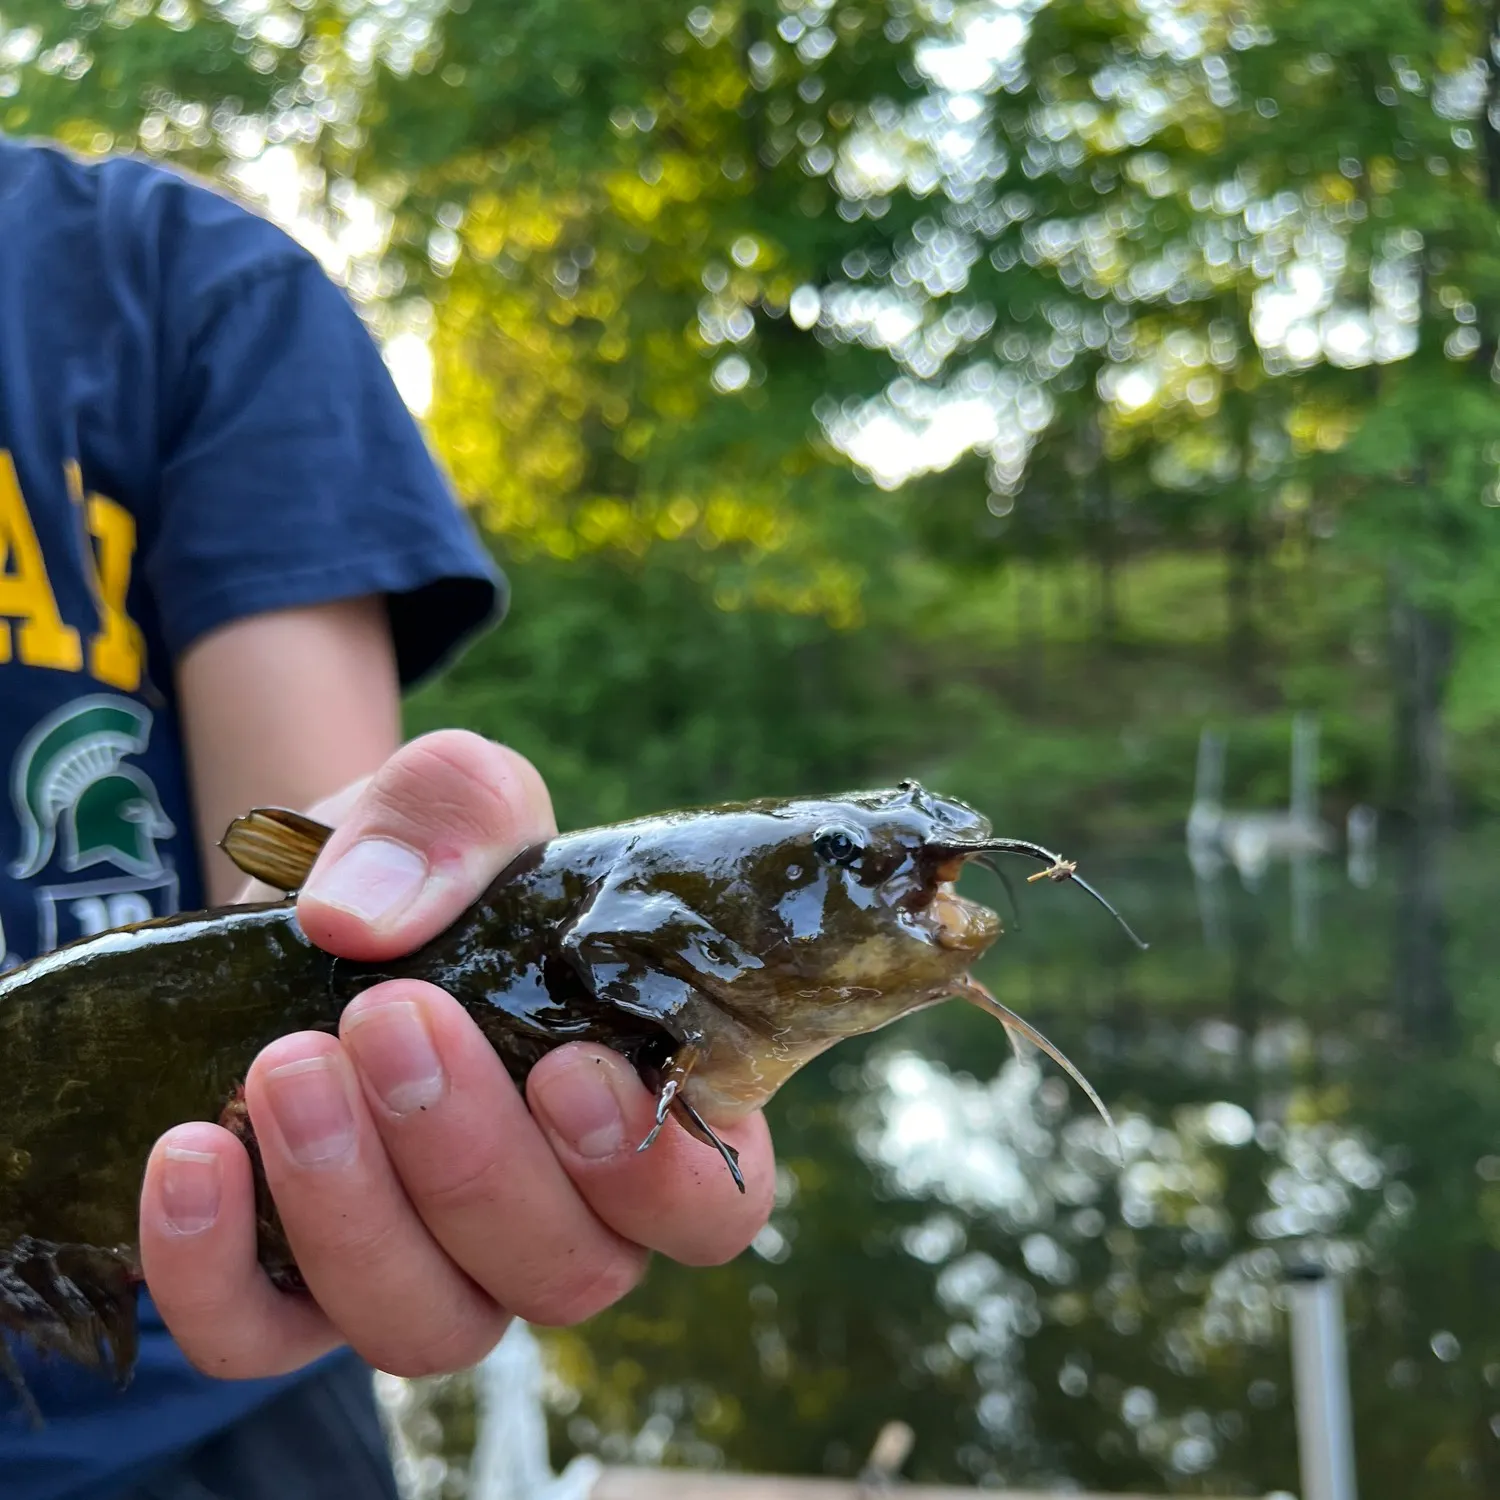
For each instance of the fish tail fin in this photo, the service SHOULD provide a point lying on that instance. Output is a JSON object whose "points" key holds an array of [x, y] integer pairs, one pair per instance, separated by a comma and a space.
{"points": [[77, 1301]]}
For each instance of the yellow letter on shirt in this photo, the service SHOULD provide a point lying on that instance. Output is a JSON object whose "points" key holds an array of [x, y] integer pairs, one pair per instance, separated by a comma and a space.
{"points": [[115, 653], [25, 592]]}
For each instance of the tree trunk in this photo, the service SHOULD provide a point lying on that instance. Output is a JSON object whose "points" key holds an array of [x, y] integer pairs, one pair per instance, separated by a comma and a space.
{"points": [[1421, 657]]}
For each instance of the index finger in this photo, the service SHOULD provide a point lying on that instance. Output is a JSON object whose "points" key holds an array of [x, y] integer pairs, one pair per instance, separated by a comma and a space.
{"points": [[429, 831]]}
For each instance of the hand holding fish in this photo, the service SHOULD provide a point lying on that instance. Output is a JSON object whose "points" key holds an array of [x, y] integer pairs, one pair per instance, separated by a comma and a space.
{"points": [[424, 1201]]}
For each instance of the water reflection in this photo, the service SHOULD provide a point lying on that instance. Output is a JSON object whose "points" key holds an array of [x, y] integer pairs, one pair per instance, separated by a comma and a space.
{"points": [[955, 1243], [1073, 1239]]}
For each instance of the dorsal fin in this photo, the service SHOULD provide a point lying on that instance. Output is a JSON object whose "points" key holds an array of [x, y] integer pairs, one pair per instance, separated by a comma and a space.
{"points": [[276, 846]]}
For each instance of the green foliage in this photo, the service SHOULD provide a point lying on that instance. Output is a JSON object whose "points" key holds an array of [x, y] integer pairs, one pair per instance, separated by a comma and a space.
{"points": [[634, 691], [184, 77]]}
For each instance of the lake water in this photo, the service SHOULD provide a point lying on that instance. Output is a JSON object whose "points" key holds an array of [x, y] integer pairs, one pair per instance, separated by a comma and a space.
{"points": [[955, 1246]]}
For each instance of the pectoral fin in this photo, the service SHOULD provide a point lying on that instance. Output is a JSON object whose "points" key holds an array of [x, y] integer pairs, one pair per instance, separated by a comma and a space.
{"points": [[650, 953], [276, 846], [669, 1100], [695, 1125], [653, 956]]}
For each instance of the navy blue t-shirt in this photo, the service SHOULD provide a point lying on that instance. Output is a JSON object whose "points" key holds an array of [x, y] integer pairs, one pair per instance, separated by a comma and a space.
{"points": [[194, 427]]}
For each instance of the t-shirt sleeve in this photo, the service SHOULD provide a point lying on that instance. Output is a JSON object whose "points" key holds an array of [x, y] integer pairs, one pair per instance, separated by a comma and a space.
{"points": [[293, 474]]}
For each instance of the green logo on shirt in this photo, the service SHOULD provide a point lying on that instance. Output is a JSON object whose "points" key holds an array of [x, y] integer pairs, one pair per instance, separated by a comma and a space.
{"points": [[70, 784]]}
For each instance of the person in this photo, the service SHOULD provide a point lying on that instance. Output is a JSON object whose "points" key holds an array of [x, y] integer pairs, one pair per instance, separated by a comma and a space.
{"points": [[224, 552]]}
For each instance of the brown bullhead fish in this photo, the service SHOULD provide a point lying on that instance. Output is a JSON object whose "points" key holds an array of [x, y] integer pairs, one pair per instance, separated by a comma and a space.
{"points": [[718, 950]]}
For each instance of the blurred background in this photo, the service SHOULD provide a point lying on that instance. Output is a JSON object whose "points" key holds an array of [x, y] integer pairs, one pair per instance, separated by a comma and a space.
{"points": [[1089, 408]]}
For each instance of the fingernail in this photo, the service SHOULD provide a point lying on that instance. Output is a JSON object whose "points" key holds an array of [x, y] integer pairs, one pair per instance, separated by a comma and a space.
{"points": [[376, 879], [394, 1051], [581, 1104], [312, 1111], [190, 1185]]}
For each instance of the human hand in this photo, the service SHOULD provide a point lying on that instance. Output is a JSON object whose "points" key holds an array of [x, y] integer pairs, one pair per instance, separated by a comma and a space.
{"points": [[425, 1203]]}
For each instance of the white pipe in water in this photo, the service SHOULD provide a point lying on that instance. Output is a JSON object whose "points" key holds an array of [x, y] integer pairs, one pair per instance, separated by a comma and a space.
{"points": [[1320, 1369]]}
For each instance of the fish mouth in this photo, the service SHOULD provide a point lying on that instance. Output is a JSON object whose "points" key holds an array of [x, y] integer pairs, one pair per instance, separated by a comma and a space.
{"points": [[960, 925]]}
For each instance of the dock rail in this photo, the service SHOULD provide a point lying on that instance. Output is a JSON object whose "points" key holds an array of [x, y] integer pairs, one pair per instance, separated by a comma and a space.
{"points": [[679, 1484]]}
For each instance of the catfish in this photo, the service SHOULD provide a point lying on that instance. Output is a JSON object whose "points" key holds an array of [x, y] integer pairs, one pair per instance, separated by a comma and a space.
{"points": [[718, 949]]}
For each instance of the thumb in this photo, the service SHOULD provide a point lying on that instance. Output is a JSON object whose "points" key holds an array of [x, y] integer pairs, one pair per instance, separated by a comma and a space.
{"points": [[424, 838]]}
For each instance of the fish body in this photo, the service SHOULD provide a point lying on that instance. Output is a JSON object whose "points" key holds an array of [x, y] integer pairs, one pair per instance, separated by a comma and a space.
{"points": [[719, 950]]}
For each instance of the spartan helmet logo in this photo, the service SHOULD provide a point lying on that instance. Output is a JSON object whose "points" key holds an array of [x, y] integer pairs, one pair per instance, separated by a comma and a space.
{"points": [[70, 780]]}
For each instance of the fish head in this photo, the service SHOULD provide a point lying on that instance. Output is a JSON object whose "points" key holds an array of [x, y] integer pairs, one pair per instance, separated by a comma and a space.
{"points": [[832, 916], [763, 933], [766, 932]]}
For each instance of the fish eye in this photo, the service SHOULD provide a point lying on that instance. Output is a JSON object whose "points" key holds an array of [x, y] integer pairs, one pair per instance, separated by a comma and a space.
{"points": [[838, 846]]}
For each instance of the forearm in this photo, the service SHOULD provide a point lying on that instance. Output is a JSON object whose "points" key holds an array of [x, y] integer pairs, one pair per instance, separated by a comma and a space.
{"points": [[285, 709]]}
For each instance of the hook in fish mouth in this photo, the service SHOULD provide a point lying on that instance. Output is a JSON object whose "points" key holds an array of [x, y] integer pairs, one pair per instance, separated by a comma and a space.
{"points": [[1057, 869]]}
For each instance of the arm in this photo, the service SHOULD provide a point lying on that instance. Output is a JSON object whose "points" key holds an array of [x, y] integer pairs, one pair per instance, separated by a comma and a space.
{"points": [[284, 710]]}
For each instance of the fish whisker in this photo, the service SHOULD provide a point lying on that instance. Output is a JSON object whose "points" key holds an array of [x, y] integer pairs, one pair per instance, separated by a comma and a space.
{"points": [[970, 989], [1010, 890]]}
